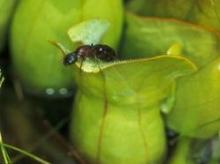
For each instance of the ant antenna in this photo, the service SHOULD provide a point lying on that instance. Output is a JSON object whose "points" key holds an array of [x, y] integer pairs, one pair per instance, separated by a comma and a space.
{"points": [[63, 50]]}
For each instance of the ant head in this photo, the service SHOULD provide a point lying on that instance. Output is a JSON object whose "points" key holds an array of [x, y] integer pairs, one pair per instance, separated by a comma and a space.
{"points": [[70, 58]]}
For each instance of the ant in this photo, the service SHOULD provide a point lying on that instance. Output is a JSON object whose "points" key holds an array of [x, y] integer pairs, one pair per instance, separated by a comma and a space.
{"points": [[99, 51]]}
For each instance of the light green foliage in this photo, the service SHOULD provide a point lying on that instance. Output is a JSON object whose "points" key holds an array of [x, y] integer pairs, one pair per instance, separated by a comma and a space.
{"points": [[36, 62], [201, 12], [196, 110], [150, 36], [116, 116], [195, 104]]}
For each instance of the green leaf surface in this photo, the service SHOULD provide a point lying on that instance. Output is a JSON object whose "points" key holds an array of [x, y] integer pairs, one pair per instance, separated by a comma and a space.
{"points": [[149, 36], [140, 76], [202, 12], [116, 116], [36, 61], [196, 111]]}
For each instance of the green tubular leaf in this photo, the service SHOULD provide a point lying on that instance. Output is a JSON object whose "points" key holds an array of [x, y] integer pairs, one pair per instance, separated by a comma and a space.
{"points": [[163, 8], [196, 110], [37, 62], [116, 116], [152, 36], [208, 15], [202, 12], [6, 8], [131, 135]]}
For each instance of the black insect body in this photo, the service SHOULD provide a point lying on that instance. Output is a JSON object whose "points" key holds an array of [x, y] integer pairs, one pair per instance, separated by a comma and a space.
{"points": [[105, 53], [70, 58], [98, 51]]}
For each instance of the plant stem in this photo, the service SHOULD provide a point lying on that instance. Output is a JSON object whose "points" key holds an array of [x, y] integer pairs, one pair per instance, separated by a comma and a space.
{"points": [[181, 153], [25, 153], [5, 155]]}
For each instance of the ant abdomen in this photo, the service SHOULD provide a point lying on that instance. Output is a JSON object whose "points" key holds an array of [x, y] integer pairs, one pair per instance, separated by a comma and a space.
{"points": [[105, 53]]}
